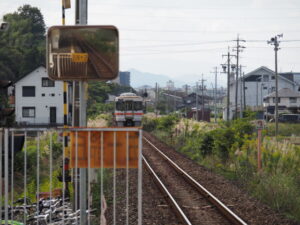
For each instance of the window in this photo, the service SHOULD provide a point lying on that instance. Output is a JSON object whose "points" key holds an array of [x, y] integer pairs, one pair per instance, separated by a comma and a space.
{"points": [[52, 94], [273, 77], [273, 89], [46, 82], [28, 112], [265, 78], [266, 100], [138, 106], [293, 100], [274, 101], [28, 91], [129, 105], [120, 105], [43, 95], [265, 88]]}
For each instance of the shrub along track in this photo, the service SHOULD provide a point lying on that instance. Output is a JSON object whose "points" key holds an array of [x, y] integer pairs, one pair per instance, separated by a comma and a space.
{"points": [[251, 210]]}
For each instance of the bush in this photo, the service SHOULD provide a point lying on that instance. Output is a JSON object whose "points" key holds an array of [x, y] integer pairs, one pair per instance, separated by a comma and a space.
{"points": [[149, 124], [167, 122], [280, 191]]}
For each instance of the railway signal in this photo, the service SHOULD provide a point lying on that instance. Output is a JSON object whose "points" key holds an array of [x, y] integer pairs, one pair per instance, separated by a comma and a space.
{"points": [[83, 53]]}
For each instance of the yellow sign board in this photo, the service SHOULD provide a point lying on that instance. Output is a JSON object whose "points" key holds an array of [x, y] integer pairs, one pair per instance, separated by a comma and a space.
{"points": [[79, 57], [82, 152]]}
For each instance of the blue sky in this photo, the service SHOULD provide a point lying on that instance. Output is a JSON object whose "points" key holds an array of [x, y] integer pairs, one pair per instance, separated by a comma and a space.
{"points": [[185, 38]]}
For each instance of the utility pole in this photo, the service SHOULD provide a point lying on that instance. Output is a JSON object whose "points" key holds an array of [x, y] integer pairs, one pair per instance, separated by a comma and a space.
{"points": [[274, 41], [197, 101], [186, 94], [215, 94], [202, 92], [156, 98], [238, 49], [81, 19], [227, 68], [242, 91]]}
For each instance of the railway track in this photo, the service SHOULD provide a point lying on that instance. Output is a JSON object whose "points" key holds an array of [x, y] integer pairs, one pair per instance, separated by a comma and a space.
{"points": [[192, 203]]}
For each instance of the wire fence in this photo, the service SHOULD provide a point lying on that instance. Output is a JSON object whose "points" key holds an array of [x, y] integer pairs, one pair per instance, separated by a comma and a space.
{"points": [[94, 179]]}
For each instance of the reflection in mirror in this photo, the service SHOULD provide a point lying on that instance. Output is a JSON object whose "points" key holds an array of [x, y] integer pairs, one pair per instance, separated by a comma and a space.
{"points": [[83, 52]]}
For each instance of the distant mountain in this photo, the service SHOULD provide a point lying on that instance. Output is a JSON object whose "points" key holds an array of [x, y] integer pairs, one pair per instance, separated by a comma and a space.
{"points": [[138, 79]]}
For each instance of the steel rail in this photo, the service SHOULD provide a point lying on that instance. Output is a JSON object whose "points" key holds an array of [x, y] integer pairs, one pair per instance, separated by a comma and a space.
{"points": [[231, 216], [167, 194]]}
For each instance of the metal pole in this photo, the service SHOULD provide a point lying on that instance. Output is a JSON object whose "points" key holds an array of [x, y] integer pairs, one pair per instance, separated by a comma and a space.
{"points": [[140, 174], [83, 171], [228, 84], [156, 98], [241, 92], [256, 94], [81, 19], [274, 41], [197, 101], [216, 75], [6, 174], [261, 93], [237, 77], [202, 91], [276, 88], [244, 90], [1, 180]]}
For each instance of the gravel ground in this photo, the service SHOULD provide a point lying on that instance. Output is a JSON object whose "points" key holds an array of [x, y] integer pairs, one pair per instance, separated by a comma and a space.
{"points": [[249, 209], [156, 210], [195, 206]]}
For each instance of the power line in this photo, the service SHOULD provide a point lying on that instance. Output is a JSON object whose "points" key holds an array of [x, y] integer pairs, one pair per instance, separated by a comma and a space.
{"points": [[189, 17], [195, 8], [182, 44], [202, 31], [171, 52]]}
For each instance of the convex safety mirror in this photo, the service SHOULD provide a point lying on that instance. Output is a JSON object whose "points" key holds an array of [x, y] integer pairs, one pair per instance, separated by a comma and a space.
{"points": [[83, 52]]}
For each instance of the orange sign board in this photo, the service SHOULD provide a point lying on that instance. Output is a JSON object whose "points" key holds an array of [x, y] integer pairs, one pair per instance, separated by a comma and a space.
{"points": [[79, 57], [108, 145]]}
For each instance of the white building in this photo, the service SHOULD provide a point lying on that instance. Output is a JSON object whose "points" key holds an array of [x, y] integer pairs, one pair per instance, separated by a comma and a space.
{"points": [[39, 100], [257, 85], [288, 102]]}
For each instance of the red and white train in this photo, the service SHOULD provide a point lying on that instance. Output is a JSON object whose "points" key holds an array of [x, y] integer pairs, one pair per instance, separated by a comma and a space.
{"points": [[128, 110]]}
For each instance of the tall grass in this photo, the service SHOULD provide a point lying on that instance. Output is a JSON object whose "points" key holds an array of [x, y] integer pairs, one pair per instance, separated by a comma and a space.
{"points": [[231, 150]]}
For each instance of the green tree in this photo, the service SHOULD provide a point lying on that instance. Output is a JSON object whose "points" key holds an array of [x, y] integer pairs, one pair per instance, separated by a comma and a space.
{"points": [[22, 46]]}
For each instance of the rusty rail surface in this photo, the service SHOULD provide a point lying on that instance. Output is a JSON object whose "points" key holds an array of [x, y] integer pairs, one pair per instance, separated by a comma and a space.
{"points": [[167, 194], [224, 210]]}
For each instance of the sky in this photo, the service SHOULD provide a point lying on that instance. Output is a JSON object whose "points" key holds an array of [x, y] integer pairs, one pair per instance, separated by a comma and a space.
{"points": [[184, 39]]}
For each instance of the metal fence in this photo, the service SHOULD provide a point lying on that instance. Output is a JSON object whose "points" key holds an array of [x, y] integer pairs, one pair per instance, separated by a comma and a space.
{"points": [[94, 179]]}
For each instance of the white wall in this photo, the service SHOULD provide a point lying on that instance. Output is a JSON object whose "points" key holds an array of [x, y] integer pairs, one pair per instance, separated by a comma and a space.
{"points": [[42, 104], [254, 93]]}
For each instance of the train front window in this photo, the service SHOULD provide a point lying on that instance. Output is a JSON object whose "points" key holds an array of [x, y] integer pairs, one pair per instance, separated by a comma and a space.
{"points": [[138, 106], [120, 105], [129, 105]]}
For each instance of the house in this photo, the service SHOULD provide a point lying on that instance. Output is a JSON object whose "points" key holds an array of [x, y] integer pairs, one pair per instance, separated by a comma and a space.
{"points": [[288, 102], [38, 100], [258, 84]]}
